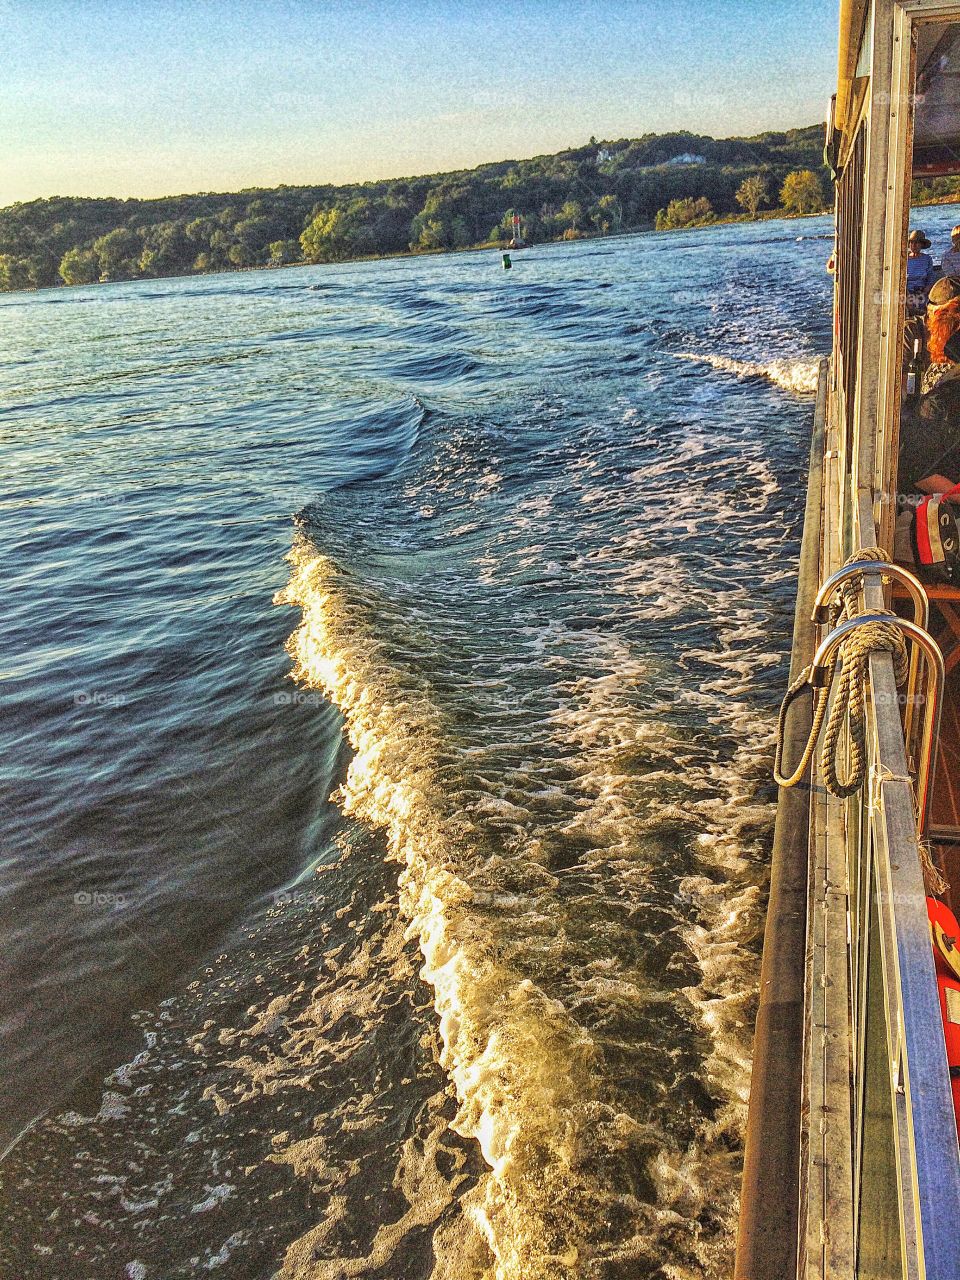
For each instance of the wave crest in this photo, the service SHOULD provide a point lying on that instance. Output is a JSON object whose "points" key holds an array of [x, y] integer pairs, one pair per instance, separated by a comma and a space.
{"points": [[798, 376]]}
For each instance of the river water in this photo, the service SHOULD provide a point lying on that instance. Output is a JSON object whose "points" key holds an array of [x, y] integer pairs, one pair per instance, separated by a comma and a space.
{"points": [[390, 660]]}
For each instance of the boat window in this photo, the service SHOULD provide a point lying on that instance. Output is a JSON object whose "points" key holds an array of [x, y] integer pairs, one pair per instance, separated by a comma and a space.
{"points": [[866, 46], [936, 135], [931, 314]]}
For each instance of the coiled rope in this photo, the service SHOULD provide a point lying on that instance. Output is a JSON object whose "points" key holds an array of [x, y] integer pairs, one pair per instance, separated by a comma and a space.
{"points": [[848, 707]]}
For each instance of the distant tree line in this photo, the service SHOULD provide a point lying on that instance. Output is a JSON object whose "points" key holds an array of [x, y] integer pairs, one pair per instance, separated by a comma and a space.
{"points": [[934, 190], [801, 192], [596, 189]]}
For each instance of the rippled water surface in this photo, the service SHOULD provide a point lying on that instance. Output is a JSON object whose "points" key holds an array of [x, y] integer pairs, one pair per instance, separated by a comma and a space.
{"points": [[389, 660]]}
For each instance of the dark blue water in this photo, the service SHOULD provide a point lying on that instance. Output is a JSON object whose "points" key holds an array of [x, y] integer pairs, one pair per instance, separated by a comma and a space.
{"points": [[389, 661]]}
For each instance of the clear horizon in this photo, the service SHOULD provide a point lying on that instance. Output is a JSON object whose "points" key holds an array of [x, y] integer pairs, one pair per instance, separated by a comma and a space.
{"points": [[104, 99]]}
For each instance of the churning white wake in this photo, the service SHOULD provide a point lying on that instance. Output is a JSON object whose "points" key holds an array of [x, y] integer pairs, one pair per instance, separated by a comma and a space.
{"points": [[798, 376], [574, 1181]]}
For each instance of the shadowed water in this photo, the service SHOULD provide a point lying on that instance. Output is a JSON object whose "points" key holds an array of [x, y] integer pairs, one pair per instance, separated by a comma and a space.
{"points": [[390, 659]]}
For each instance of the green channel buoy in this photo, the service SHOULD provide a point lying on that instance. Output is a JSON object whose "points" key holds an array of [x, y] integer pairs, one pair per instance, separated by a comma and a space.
{"points": [[507, 264]]}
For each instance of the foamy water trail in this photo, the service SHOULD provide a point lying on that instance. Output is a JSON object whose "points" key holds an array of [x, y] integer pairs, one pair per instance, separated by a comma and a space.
{"points": [[798, 376], [519, 1064], [530, 820]]}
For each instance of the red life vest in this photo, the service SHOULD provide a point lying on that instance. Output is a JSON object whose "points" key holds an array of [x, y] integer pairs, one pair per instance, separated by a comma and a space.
{"points": [[945, 935], [936, 536]]}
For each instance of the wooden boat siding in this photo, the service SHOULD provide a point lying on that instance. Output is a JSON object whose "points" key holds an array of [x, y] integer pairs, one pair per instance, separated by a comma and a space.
{"points": [[885, 268], [826, 1227], [853, 14], [769, 1202]]}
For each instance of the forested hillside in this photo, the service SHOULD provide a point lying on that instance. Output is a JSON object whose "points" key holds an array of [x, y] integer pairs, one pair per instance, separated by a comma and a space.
{"points": [[598, 188]]}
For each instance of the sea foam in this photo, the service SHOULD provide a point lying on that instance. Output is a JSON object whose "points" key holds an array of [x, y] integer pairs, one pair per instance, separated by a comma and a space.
{"points": [[798, 376]]}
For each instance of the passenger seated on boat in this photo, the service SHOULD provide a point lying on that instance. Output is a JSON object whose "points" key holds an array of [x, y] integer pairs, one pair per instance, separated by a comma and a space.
{"points": [[950, 262], [943, 321], [930, 432], [921, 272]]}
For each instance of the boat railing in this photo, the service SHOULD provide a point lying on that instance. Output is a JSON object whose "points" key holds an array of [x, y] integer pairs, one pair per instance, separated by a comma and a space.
{"points": [[881, 1172]]}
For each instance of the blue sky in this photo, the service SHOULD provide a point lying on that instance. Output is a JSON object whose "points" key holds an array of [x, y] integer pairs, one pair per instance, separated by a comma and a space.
{"points": [[160, 97]]}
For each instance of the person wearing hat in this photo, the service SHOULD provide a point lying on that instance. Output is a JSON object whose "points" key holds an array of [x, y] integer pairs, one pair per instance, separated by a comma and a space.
{"points": [[921, 272], [950, 262]]}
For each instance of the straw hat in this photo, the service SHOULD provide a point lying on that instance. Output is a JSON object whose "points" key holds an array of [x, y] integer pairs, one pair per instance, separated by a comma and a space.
{"points": [[943, 290], [918, 236]]}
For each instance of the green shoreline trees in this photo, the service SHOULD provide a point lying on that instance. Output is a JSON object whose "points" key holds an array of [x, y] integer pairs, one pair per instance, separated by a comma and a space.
{"points": [[802, 192], [595, 189], [752, 193]]}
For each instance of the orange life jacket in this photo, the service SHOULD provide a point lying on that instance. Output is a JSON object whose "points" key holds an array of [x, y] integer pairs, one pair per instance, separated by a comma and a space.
{"points": [[942, 323]]}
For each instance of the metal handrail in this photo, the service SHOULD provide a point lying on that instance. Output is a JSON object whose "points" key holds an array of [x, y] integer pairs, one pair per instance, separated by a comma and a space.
{"points": [[820, 673], [917, 593], [884, 569], [915, 588], [891, 883]]}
